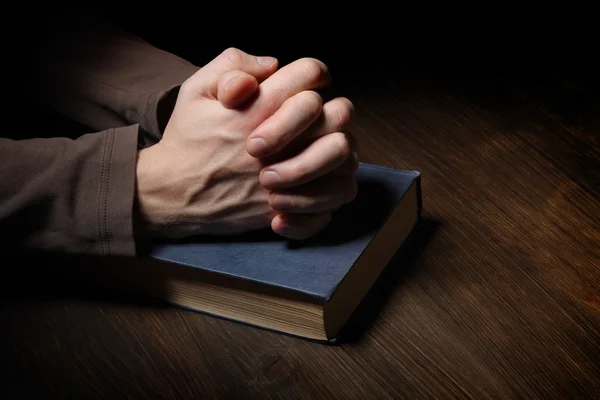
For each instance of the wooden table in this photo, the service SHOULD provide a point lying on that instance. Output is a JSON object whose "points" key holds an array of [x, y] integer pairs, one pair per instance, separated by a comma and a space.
{"points": [[497, 298]]}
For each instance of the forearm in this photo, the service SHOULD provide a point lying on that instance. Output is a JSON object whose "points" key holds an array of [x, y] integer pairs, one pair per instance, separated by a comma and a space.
{"points": [[103, 77], [73, 196]]}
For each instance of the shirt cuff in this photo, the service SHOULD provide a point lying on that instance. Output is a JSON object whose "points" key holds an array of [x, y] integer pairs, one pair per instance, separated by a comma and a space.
{"points": [[117, 192]]}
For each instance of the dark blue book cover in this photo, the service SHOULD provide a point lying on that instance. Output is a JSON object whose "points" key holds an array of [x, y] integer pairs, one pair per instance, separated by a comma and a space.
{"points": [[342, 261]]}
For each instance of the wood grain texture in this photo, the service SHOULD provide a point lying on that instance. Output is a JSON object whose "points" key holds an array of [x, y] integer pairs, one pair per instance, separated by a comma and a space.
{"points": [[498, 298]]}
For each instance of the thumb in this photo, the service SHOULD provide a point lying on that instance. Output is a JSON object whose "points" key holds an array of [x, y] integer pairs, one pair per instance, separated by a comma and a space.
{"points": [[235, 88], [206, 80]]}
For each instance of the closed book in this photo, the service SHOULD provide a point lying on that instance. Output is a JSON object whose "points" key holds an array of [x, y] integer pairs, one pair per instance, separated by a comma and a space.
{"points": [[306, 288]]}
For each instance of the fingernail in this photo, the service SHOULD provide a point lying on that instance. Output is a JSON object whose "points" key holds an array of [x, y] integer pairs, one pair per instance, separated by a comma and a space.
{"points": [[270, 178], [257, 146], [266, 61]]}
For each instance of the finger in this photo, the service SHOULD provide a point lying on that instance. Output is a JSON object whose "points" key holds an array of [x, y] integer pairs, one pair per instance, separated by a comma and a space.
{"points": [[318, 197], [348, 167], [294, 117], [303, 74], [335, 116], [300, 227], [235, 88], [206, 79], [319, 158]]}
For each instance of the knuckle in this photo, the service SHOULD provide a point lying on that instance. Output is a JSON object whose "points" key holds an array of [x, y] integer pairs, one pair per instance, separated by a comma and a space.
{"points": [[343, 110], [297, 172], [303, 203], [312, 102], [188, 87], [185, 86], [341, 144], [292, 203], [233, 55], [314, 69], [299, 203]]}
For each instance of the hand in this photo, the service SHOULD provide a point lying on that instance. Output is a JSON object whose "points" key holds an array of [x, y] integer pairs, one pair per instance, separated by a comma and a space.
{"points": [[309, 162], [199, 179]]}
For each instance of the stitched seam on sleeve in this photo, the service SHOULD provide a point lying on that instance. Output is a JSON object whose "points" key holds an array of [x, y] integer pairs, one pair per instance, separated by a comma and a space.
{"points": [[100, 193], [111, 137]]}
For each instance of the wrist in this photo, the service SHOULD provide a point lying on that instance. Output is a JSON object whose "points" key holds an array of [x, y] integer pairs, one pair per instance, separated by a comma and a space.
{"points": [[142, 221]]}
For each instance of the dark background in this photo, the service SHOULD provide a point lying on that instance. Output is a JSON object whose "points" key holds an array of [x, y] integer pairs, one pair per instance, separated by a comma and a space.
{"points": [[354, 41], [366, 44], [497, 107]]}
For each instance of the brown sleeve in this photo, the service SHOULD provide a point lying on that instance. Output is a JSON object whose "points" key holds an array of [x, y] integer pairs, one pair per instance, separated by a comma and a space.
{"points": [[103, 77], [66, 195], [76, 195]]}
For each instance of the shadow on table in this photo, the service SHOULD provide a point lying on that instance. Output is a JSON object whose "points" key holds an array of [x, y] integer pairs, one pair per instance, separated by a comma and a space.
{"points": [[399, 270], [40, 278]]}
